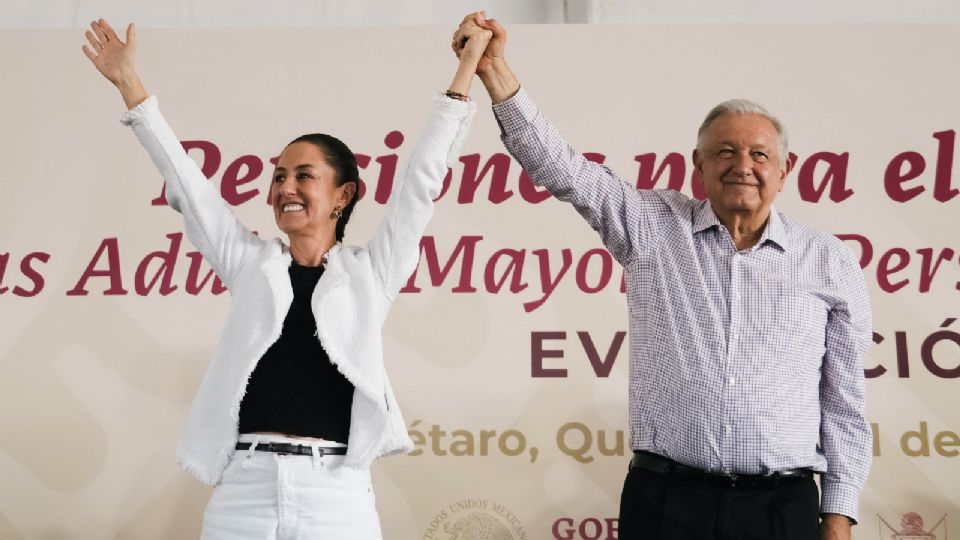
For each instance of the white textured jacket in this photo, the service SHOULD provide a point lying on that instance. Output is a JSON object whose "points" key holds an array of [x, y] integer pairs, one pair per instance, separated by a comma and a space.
{"points": [[350, 302]]}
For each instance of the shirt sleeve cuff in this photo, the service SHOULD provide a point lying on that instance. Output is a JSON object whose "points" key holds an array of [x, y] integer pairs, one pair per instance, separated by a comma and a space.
{"points": [[839, 498], [515, 113], [463, 111], [454, 105], [137, 114]]}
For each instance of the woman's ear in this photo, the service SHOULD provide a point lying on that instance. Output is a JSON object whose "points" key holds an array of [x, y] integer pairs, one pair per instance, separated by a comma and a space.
{"points": [[348, 193]]}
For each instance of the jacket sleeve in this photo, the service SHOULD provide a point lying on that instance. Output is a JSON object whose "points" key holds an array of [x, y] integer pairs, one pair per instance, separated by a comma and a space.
{"points": [[616, 210], [209, 223], [395, 246]]}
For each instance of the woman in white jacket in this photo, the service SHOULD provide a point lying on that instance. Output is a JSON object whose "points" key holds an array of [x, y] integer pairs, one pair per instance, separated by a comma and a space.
{"points": [[295, 404]]}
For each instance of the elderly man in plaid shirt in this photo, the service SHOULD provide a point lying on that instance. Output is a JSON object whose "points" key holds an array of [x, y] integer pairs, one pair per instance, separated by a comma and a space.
{"points": [[747, 329]]}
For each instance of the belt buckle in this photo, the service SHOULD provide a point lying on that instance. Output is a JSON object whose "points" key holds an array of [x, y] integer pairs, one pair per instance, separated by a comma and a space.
{"points": [[733, 480], [283, 449]]}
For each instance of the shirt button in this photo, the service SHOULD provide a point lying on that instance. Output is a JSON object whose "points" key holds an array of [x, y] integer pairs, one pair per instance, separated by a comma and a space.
{"points": [[728, 429], [731, 380]]}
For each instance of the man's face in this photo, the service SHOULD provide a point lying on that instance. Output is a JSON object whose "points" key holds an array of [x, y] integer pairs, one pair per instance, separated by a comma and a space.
{"points": [[741, 166]]}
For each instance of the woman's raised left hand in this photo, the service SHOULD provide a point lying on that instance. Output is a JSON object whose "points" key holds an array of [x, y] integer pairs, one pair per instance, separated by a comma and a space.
{"points": [[115, 60]]}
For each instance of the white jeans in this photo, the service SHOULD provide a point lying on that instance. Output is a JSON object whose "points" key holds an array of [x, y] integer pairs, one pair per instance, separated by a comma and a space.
{"points": [[267, 496]]}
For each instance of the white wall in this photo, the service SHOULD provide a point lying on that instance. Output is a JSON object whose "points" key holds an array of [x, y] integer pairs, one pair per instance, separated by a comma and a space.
{"points": [[43, 14]]}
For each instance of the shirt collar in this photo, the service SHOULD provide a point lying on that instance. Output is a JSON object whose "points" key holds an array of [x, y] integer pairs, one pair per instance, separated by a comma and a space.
{"points": [[775, 232], [705, 217]]}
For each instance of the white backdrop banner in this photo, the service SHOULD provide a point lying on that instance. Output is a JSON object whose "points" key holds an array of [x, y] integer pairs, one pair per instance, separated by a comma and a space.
{"points": [[507, 347]]}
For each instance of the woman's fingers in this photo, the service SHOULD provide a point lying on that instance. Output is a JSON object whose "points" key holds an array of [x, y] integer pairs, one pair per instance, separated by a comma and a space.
{"points": [[463, 33], [472, 24], [90, 54], [458, 40], [108, 30], [98, 30], [477, 41], [469, 21], [93, 41], [131, 34], [471, 32]]}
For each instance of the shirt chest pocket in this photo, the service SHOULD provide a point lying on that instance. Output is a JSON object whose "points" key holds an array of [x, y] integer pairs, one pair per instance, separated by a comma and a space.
{"points": [[786, 320]]}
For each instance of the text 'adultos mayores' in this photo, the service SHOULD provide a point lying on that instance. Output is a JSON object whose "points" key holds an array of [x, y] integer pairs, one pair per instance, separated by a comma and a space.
{"points": [[530, 274]]}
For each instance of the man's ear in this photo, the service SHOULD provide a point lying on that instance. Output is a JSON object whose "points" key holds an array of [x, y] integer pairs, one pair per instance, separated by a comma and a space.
{"points": [[785, 169], [697, 158], [789, 163]]}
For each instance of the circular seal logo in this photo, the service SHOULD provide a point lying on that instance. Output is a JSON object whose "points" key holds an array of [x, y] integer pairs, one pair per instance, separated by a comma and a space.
{"points": [[475, 519]]}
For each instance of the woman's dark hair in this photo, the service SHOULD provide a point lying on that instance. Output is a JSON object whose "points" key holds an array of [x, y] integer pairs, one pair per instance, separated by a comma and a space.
{"points": [[344, 164]]}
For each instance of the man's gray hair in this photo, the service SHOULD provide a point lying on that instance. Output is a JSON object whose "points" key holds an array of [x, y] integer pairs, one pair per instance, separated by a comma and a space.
{"points": [[744, 107]]}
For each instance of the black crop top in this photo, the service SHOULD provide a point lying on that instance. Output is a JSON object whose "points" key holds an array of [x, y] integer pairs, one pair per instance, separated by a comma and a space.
{"points": [[295, 389]]}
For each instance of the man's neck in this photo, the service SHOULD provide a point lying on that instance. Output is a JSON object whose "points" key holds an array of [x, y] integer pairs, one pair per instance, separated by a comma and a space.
{"points": [[746, 229]]}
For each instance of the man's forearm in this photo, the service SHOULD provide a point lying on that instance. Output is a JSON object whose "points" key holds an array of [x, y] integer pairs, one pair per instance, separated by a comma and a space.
{"points": [[499, 81]]}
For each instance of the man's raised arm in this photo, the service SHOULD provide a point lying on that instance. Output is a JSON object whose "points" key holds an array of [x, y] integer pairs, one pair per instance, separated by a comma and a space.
{"points": [[613, 208]]}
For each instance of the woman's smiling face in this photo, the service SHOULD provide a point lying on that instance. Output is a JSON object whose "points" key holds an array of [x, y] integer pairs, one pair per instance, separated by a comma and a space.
{"points": [[304, 191]]}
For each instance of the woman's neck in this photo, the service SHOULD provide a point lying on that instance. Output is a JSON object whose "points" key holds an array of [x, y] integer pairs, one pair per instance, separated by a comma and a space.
{"points": [[310, 251]]}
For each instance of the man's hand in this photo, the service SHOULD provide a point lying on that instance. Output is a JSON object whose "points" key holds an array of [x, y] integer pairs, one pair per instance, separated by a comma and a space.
{"points": [[835, 527], [474, 43], [494, 50], [473, 46], [115, 59], [492, 68]]}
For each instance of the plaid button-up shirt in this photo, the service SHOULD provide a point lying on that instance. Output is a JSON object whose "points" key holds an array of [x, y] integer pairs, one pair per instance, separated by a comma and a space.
{"points": [[745, 362]]}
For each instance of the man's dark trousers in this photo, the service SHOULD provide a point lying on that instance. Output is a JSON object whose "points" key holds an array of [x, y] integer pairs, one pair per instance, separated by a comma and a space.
{"points": [[661, 506]]}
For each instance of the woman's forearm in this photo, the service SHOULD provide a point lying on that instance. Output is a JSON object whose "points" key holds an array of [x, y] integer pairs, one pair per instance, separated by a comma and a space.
{"points": [[463, 78], [132, 91], [470, 48]]}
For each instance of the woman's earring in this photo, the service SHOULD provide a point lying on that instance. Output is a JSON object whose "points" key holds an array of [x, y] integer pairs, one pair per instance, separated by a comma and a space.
{"points": [[337, 213]]}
